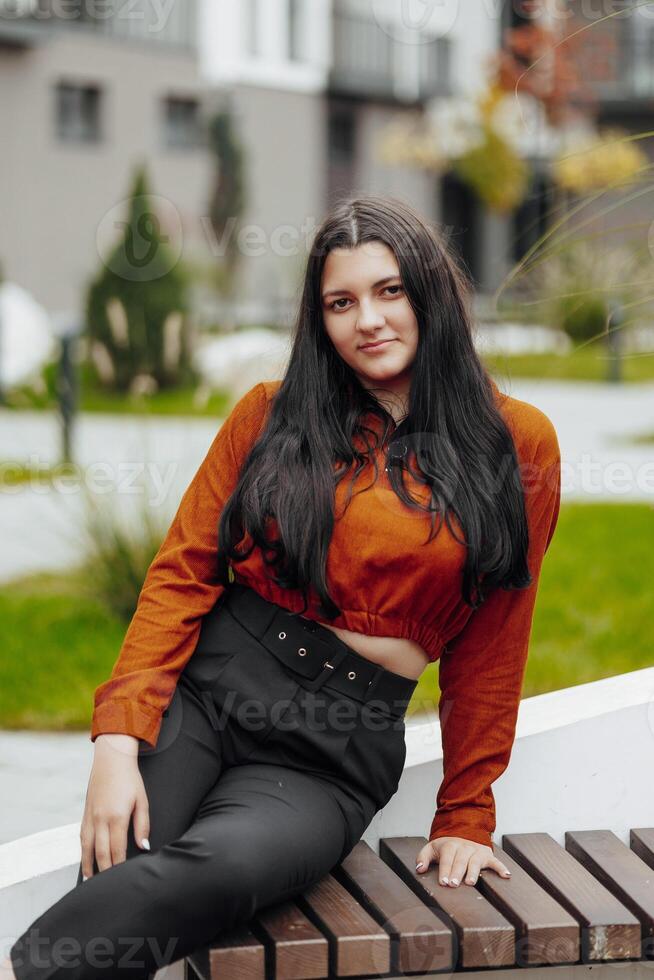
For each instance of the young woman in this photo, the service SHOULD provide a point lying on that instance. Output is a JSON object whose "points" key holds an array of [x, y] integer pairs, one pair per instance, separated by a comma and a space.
{"points": [[382, 507]]}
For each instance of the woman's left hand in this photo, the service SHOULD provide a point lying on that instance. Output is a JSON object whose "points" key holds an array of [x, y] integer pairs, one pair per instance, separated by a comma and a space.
{"points": [[459, 860]]}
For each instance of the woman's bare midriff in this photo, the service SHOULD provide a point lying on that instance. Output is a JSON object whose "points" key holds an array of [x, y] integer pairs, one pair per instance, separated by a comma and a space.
{"points": [[400, 655]]}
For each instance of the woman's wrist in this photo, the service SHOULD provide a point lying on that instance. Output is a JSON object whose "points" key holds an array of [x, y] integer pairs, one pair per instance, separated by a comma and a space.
{"points": [[117, 741]]}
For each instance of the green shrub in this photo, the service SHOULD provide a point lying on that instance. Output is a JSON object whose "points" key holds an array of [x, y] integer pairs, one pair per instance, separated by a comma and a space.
{"points": [[583, 317], [119, 554], [137, 308]]}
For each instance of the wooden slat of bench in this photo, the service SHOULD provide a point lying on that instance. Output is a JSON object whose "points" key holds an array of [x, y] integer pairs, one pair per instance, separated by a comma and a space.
{"points": [[641, 841], [588, 878], [357, 944], [297, 948], [484, 936], [546, 933], [609, 931], [420, 940], [625, 874], [238, 955]]}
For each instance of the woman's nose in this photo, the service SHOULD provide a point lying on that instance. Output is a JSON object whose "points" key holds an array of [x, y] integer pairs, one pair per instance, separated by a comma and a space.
{"points": [[369, 315]]}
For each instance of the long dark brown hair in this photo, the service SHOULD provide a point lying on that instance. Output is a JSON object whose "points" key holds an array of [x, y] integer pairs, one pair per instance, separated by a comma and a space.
{"points": [[463, 449]]}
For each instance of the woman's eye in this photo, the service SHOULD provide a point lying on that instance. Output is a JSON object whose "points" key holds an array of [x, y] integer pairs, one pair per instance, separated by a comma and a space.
{"points": [[344, 299]]}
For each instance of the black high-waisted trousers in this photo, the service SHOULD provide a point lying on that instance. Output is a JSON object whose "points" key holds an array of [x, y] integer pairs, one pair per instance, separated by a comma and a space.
{"points": [[277, 749]]}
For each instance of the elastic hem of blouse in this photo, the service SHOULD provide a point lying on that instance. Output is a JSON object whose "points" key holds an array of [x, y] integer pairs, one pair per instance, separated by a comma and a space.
{"points": [[362, 621]]}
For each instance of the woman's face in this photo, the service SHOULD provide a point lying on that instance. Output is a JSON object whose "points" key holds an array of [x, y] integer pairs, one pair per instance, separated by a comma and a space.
{"points": [[363, 302]]}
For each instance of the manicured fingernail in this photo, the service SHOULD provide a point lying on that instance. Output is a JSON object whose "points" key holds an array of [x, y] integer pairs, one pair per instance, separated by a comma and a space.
{"points": [[454, 881], [444, 881], [419, 866], [145, 843], [508, 874], [84, 877]]}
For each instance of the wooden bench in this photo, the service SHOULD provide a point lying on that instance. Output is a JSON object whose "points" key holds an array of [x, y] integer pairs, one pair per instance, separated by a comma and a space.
{"points": [[590, 902]]}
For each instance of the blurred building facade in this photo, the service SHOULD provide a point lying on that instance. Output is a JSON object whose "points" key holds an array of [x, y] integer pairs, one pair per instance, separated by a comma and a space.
{"points": [[90, 89], [84, 97], [616, 61], [612, 47], [311, 84], [87, 94]]}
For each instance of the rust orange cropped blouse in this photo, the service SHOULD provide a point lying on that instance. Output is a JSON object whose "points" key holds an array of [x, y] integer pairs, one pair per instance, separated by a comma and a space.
{"points": [[387, 582]]}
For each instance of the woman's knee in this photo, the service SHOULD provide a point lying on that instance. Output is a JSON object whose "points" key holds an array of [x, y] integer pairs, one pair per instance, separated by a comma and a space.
{"points": [[235, 868], [217, 865]]}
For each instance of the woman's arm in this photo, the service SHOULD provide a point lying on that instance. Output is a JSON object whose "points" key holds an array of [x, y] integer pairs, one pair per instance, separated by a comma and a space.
{"points": [[481, 671], [179, 588]]}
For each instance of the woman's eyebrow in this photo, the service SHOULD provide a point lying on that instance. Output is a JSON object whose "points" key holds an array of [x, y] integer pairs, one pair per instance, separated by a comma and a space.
{"points": [[380, 282]]}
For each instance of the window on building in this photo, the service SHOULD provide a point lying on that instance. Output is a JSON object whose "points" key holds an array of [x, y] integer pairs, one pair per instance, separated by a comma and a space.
{"points": [[80, 12], [295, 30], [530, 220], [342, 135], [434, 66], [182, 123], [78, 113], [341, 151], [132, 19], [253, 26], [363, 50]]}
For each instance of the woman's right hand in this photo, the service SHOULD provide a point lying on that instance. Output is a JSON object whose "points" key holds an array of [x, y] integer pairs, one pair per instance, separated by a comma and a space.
{"points": [[115, 790]]}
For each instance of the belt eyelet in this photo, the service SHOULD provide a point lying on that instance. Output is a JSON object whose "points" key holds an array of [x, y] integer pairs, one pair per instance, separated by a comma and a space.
{"points": [[282, 636], [351, 675], [302, 651]]}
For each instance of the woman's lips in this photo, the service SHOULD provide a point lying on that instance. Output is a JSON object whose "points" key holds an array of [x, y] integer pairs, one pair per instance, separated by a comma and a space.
{"points": [[382, 346]]}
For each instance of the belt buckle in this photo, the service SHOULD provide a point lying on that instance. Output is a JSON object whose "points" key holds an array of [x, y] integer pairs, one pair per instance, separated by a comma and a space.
{"points": [[328, 667]]}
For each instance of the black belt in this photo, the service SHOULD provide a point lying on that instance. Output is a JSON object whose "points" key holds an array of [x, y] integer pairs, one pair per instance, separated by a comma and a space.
{"points": [[315, 653]]}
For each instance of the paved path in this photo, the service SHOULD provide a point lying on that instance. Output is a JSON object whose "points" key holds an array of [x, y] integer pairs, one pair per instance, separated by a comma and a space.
{"points": [[134, 459], [44, 776], [594, 423]]}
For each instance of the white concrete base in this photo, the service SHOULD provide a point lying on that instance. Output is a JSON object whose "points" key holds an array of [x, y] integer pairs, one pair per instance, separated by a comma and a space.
{"points": [[577, 764]]}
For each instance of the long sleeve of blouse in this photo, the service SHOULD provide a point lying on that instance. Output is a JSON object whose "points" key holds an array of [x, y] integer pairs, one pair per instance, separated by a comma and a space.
{"points": [[179, 587], [481, 670]]}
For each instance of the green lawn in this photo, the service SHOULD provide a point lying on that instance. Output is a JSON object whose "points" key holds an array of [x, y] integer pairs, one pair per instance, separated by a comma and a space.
{"points": [[586, 364], [644, 439], [57, 646], [177, 402], [14, 472], [593, 619], [595, 606], [91, 397]]}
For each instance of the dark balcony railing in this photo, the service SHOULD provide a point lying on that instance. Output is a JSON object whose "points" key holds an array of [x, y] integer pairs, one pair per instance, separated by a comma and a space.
{"points": [[371, 61], [171, 24], [619, 66], [17, 28]]}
